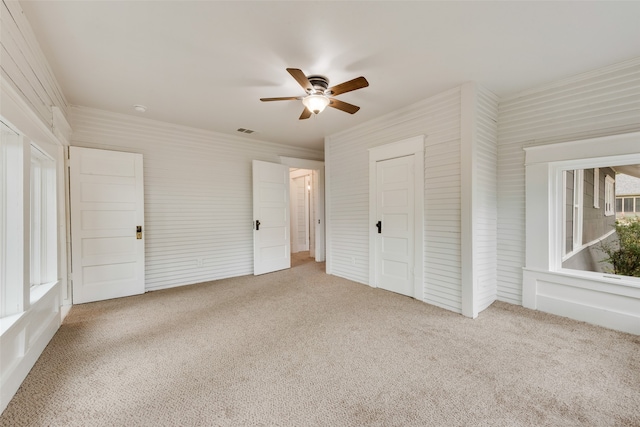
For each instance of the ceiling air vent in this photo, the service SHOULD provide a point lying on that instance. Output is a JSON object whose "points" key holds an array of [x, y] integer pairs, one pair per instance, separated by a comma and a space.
{"points": [[243, 130]]}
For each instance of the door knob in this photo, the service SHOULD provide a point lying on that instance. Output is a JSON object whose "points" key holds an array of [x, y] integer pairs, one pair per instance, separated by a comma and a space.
{"points": [[257, 224], [379, 225], [138, 232]]}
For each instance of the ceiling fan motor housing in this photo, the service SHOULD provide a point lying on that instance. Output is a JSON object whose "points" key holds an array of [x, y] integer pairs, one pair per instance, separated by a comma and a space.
{"points": [[319, 83]]}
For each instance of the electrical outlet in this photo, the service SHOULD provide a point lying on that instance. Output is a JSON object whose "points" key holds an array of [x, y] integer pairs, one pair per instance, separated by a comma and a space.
{"points": [[200, 262]]}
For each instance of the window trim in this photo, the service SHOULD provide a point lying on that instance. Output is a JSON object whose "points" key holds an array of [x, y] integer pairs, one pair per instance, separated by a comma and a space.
{"points": [[13, 294], [43, 241], [577, 213], [596, 188], [543, 176], [25, 161], [609, 195]]}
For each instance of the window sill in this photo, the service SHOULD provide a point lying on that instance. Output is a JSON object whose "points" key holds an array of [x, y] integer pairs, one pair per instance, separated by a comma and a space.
{"points": [[604, 278], [7, 322], [39, 291], [633, 282], [36, 294]]}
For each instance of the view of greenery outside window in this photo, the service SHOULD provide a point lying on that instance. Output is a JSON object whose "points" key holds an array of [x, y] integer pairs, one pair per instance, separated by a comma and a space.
{"points": [[624, 255], [601, 220]]}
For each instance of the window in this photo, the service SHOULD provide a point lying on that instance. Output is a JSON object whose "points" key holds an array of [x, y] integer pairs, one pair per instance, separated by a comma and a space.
{"points": [[548, 283], [11, 222], [28, 223], [627, 205], [573, 200], [609, 195], [552, 205], [43, 218]]}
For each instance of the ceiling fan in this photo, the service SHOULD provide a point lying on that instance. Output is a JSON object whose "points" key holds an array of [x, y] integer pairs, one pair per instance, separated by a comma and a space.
{"points": [[320, 95]]}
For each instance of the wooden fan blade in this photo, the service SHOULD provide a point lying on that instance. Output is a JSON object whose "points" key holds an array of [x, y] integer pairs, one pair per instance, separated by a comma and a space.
{"points": [[305, 114], [285, 98], [300, 78], [357, 83], [344, 106]]}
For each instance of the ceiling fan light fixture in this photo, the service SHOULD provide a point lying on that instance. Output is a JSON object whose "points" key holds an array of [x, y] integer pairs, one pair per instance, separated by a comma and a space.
{"points": [[315, 103]]}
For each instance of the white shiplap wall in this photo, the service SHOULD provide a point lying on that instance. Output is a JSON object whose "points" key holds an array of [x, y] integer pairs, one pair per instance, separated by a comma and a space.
{"points": [[485, 208], [347, 163], [599, 103], [198, 200], [24, 66]]}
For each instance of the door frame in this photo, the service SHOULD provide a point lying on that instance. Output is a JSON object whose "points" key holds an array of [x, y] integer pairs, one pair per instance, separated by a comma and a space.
{"points": [[295, 231], [318, 200], [407, 147]]}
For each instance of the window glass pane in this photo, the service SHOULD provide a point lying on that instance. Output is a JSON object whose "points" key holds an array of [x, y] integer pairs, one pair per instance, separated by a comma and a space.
{"points": [[609, 195], [42, 248], [11, 222], [36, 221], [603, 233]]}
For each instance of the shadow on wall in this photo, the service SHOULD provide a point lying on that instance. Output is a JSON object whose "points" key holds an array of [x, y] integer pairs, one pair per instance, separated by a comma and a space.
{"points": [[590, 258]]}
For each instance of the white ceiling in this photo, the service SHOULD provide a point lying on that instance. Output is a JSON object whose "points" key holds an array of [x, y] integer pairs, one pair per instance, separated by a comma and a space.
{"points": [[205, 64]]}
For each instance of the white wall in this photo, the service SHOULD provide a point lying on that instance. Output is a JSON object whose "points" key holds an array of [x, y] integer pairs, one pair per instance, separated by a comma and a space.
{"points": [[479, 198], [460, 144], [599, 103], [198, 203], [346, 159], [25, 67]]}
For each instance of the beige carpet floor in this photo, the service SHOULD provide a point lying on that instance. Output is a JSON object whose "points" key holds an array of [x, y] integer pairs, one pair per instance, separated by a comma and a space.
{"points": [[300, 348]]}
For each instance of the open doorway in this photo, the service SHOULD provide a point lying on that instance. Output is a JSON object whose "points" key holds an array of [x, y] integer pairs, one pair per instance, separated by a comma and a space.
{"points": [[303, 215], [307, 230], [272, 213]]}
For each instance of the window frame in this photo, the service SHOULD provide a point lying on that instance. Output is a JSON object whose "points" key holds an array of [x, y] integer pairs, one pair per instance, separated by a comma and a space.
{"points": [[30, 251], [596, 188], [13, 296], [610, 195], [43, 239], [544, 168]]}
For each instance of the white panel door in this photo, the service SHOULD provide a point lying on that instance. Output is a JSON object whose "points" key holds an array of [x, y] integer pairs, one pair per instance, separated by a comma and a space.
{"points": [[395, 213], [107, 207], [271, 244]]}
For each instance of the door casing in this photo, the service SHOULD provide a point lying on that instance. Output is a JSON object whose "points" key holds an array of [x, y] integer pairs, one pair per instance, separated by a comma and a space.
{"points": [[408, 147], [318, 185]]}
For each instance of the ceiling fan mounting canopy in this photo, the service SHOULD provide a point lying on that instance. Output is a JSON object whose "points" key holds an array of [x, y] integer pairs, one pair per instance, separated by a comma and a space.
{"points": [[319, 83], [319, 95]]}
